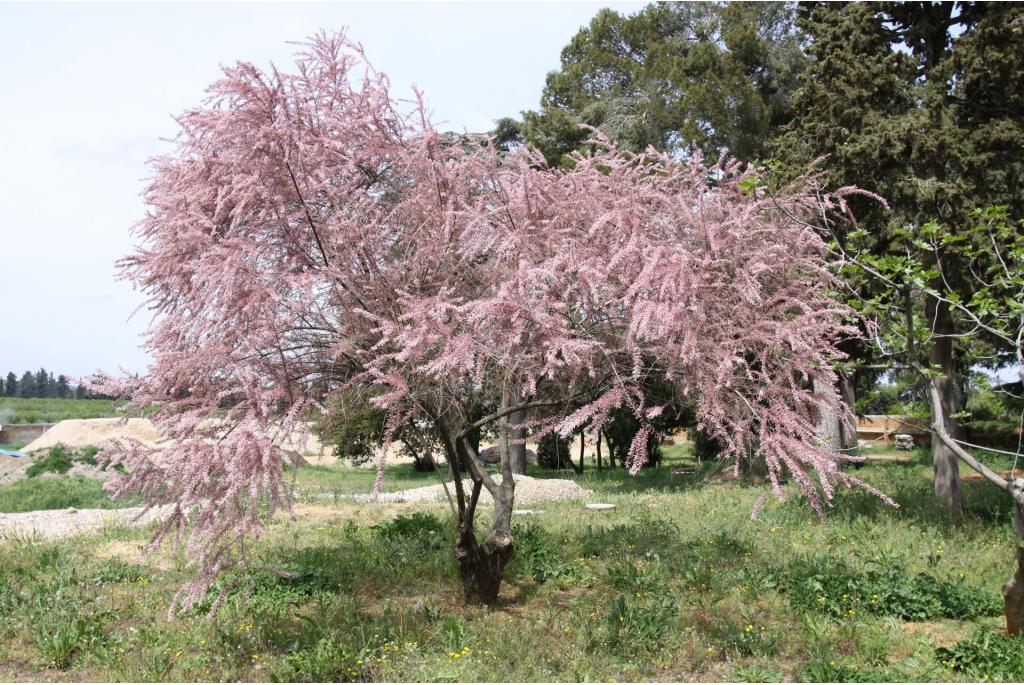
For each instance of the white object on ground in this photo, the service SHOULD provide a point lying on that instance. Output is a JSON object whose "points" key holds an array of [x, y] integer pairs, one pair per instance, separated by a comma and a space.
{"points": [[528, 491], [597, 506]]}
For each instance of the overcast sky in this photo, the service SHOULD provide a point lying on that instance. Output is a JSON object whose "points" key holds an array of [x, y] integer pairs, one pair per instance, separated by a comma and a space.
{"points": [[89, 90]]}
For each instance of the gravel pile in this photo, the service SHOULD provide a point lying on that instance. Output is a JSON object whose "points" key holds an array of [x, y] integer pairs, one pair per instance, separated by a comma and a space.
{"points": [[53, 524], [528, 491]]}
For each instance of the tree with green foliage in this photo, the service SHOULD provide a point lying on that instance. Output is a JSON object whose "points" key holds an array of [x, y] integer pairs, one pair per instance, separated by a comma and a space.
{"points": [[11, 387], [679, 76], [42, 386], [920, 103], [63, 387], [27, 385]]}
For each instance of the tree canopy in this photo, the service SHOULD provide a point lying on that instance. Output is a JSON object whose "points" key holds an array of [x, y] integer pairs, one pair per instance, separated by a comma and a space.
{"points": [[679, 76], [309, 237]]}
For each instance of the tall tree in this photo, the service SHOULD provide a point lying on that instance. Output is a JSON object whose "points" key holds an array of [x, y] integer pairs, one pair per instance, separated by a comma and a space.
{"points": [[63, 388], [11, 388], [904, 101], [679, 76], [335, 243], [27, 385], [42, 384]]}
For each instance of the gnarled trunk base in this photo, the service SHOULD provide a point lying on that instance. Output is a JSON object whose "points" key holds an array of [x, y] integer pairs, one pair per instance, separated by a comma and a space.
{"points": [[482, 566]]}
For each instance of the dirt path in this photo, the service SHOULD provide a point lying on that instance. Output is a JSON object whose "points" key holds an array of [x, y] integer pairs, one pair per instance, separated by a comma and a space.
{"points": [[54, 524]]}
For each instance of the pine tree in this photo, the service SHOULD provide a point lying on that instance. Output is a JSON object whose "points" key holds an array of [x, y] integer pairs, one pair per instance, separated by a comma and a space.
{"points": [[27, 385], [63, 388], [678, 76], [936, 130], [11, 388], [42, 383]]}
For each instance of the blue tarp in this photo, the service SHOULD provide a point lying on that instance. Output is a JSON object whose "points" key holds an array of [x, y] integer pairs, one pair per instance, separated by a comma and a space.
{"points": [[12, 453]]}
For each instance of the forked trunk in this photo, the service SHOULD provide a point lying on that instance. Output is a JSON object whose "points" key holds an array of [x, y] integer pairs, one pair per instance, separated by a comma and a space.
{"points": [[482, 565]]}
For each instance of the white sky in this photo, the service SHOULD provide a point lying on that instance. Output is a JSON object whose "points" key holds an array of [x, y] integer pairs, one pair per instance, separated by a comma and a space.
{"points": [[89, 90]]}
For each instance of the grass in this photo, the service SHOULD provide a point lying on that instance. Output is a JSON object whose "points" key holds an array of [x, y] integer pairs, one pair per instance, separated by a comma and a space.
{"points": [[52, 410], [54, 493], [677, 583]]}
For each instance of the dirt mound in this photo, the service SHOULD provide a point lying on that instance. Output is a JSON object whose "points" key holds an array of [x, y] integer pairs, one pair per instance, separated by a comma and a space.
{"points": [[12, 468], [78, 433], [528, 491]]}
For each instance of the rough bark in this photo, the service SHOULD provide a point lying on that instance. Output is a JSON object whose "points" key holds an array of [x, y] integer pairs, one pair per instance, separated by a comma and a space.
{"points": [[517, 442], [830, 423], [599, 438], [848, 427], [1013, 591], [940, 358], [482, 564]]}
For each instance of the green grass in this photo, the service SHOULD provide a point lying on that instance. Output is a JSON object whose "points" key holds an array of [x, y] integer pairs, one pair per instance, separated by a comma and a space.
{"points": [[677, 583], [52, 410], [61, 492]]}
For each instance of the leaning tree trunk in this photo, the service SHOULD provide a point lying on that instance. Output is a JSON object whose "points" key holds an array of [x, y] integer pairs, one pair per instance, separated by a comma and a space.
{"points": [[1013, 591], [946, 468]]}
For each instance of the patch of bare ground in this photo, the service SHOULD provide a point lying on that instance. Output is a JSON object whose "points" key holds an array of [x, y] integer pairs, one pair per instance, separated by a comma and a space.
{"points": [[54, 524], [940, 634]]}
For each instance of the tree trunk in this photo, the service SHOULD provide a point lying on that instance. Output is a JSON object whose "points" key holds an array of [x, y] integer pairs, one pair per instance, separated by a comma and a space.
{"points": [[830, 424], [517, 442], [848, 426], [598, 450], [940, 357], [583, 437], [1013, 591], [482, 566]]}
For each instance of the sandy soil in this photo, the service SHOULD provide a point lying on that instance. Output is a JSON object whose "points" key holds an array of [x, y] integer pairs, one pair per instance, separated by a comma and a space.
{"points": [[78, 433], [528, 491], [61, 523]]}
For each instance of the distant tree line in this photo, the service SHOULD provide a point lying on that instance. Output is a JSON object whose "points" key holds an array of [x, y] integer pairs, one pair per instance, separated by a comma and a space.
{"points": [[42, 383]]}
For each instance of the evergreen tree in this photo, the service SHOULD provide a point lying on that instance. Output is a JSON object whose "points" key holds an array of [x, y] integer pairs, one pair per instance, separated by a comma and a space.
{"points": [[11, 388], [929, 121], [63, 388], [678, 76], [27, 385], [42, 379]]}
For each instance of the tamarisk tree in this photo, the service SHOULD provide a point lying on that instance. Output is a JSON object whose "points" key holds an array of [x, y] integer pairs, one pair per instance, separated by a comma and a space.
{"points": [[309, 236]]}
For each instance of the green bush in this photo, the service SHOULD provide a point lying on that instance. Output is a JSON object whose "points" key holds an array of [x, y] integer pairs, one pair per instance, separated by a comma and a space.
{"points": [[60, 460], [421, 531], [554, 452], [833, 588], [986, 655]]}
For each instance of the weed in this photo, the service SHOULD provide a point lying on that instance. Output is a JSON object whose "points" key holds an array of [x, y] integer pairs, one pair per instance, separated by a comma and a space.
{"points": [[639, 624], [986, 655]]}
